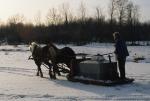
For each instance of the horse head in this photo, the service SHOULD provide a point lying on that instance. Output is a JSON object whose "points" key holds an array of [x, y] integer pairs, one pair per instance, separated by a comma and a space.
{"points": [[33, 46]]}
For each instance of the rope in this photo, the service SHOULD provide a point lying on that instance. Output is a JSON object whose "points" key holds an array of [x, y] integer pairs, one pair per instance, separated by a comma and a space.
{"points": [[31, 58], [45, 66]]}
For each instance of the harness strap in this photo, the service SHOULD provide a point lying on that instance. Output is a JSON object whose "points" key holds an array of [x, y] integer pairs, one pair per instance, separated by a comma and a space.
{"points": [[45, 66]]}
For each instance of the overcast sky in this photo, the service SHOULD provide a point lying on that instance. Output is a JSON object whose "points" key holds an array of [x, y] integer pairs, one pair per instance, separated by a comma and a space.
{"points": [[29, 8]]}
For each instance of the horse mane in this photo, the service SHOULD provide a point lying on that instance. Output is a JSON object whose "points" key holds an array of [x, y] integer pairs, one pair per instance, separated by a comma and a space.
{"points": [[52, 45]]}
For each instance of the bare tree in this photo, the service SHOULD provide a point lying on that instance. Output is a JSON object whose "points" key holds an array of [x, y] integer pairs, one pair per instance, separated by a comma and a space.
{"points": [[99, 15], [132, 13], [136, 14], [71, 17], [53, 17], [130, 8], [65, 12], [112, 10], [15, 19], [121, 11], [37, 18], [82, 12]]}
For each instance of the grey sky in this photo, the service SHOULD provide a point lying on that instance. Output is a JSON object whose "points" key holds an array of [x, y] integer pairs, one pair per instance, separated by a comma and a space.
{"points": [[29, 8]]}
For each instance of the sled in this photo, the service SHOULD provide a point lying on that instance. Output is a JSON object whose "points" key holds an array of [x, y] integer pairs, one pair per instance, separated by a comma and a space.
{"points": [[98, 71], [101, 82]]}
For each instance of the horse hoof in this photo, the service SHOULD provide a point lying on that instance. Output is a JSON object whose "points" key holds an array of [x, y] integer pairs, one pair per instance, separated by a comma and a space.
{"points": [[59, 74], [41, 76], [54, 77], [51, 76], [37, 74]]}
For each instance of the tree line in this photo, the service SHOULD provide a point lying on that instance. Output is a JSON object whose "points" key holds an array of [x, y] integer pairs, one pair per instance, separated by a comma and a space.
{"points": [[123, 16]]}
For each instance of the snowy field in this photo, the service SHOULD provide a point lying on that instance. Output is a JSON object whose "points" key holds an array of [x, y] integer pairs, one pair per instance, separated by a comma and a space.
{"points": [[19, 83]]}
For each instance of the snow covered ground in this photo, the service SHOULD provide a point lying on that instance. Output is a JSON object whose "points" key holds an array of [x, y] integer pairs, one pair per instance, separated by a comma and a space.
{"points": [[19, 83]]}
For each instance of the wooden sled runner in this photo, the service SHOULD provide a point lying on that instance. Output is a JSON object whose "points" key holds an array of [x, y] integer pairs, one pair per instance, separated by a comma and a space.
{"points": [[102, 82]]}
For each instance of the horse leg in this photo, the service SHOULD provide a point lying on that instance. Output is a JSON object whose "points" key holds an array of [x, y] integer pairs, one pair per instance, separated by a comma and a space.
{"points": [[50, 74], [54, 71], [39, 68], [36, 62], [50, 68], [71, 65], [57, 70], [37, 74]]}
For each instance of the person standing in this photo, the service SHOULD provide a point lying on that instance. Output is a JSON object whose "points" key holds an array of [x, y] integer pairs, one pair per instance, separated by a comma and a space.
{"points": [[121, 53]]}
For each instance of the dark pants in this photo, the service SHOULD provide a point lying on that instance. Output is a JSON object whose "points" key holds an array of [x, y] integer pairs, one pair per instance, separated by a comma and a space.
{"points": [[121, 64]]}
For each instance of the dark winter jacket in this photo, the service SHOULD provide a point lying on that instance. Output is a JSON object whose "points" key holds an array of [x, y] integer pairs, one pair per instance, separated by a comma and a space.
{"points": [[121, 50]]}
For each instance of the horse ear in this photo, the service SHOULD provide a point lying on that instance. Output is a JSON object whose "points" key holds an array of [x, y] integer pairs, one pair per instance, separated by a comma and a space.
{"points": [[29, 43], [48, 44]]}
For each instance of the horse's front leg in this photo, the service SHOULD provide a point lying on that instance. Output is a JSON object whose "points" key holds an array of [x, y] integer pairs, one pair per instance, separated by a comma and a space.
{"points": [[39, 68], [37, 64], [37, 74]]}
